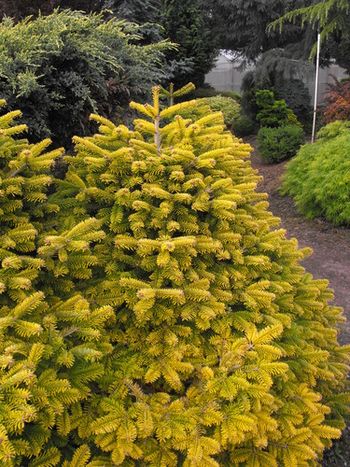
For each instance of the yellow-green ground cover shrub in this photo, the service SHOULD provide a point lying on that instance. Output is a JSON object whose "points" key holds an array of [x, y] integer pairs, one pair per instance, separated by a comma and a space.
{"points": [[318, 178]]}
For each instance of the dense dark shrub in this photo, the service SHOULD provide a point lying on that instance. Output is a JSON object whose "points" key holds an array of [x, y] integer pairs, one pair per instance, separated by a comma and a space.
{"points": [[297, 97], [61, 67], [19, 9], [202, 92], [248, 95], [292, 91], [187, 23], [243, 126], [319, 177], [277, 144]]}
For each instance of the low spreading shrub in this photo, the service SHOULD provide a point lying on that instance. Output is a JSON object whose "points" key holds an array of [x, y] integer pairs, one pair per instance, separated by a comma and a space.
{"points": [[332, 130], [277, 144], [228, 106], [338, 101], [273, 112], [59, 68], [318, 178]]}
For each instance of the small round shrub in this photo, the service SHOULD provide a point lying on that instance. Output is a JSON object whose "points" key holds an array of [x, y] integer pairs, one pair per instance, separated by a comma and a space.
{"points": [[243, 126], [228, 106], [319, 178], [178, 326], [277, 144], [224, 350]]}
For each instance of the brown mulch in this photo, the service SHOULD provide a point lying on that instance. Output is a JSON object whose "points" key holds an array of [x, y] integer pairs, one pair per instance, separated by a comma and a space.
{"points": [[331, 260]]}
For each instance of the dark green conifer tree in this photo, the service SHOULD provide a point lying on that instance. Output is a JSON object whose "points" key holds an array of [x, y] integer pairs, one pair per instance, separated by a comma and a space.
{"points": [[187, 23]]}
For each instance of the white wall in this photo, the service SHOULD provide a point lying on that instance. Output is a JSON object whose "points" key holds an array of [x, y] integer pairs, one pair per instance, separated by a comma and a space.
{"points": [[227, 76]]}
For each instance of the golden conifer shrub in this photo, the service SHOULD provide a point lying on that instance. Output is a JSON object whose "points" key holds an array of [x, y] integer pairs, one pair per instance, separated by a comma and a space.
{"points": [[225, 349], [51, 344]]}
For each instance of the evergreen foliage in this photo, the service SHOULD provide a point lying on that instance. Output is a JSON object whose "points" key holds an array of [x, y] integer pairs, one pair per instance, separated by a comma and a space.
{"points": [[139, 11], [337, 46], [146, 13], [241, 25], [273, 112], [228, 106], [281, 71], [50, 344], [327, 15], [297, 97], [73, 64], [332, 130], [243, 126], [318, 178], [19, 9], [187, 23], [277, 144], [224, 349]]}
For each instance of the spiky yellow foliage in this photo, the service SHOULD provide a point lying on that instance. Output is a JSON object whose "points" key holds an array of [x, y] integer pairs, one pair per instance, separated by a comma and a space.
{"points": [[50, 344], [152, 313], [225, 350]]}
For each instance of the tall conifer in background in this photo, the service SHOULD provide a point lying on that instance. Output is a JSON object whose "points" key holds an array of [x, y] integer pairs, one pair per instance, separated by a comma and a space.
{"points": [[187, 23]]}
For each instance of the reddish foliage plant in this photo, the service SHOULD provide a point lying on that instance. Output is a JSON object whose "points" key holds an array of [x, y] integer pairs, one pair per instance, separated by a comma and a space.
{"points": [[338, 101]]}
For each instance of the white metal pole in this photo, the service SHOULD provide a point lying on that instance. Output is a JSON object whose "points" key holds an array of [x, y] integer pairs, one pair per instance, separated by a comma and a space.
{"points": [[316, 87]]}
